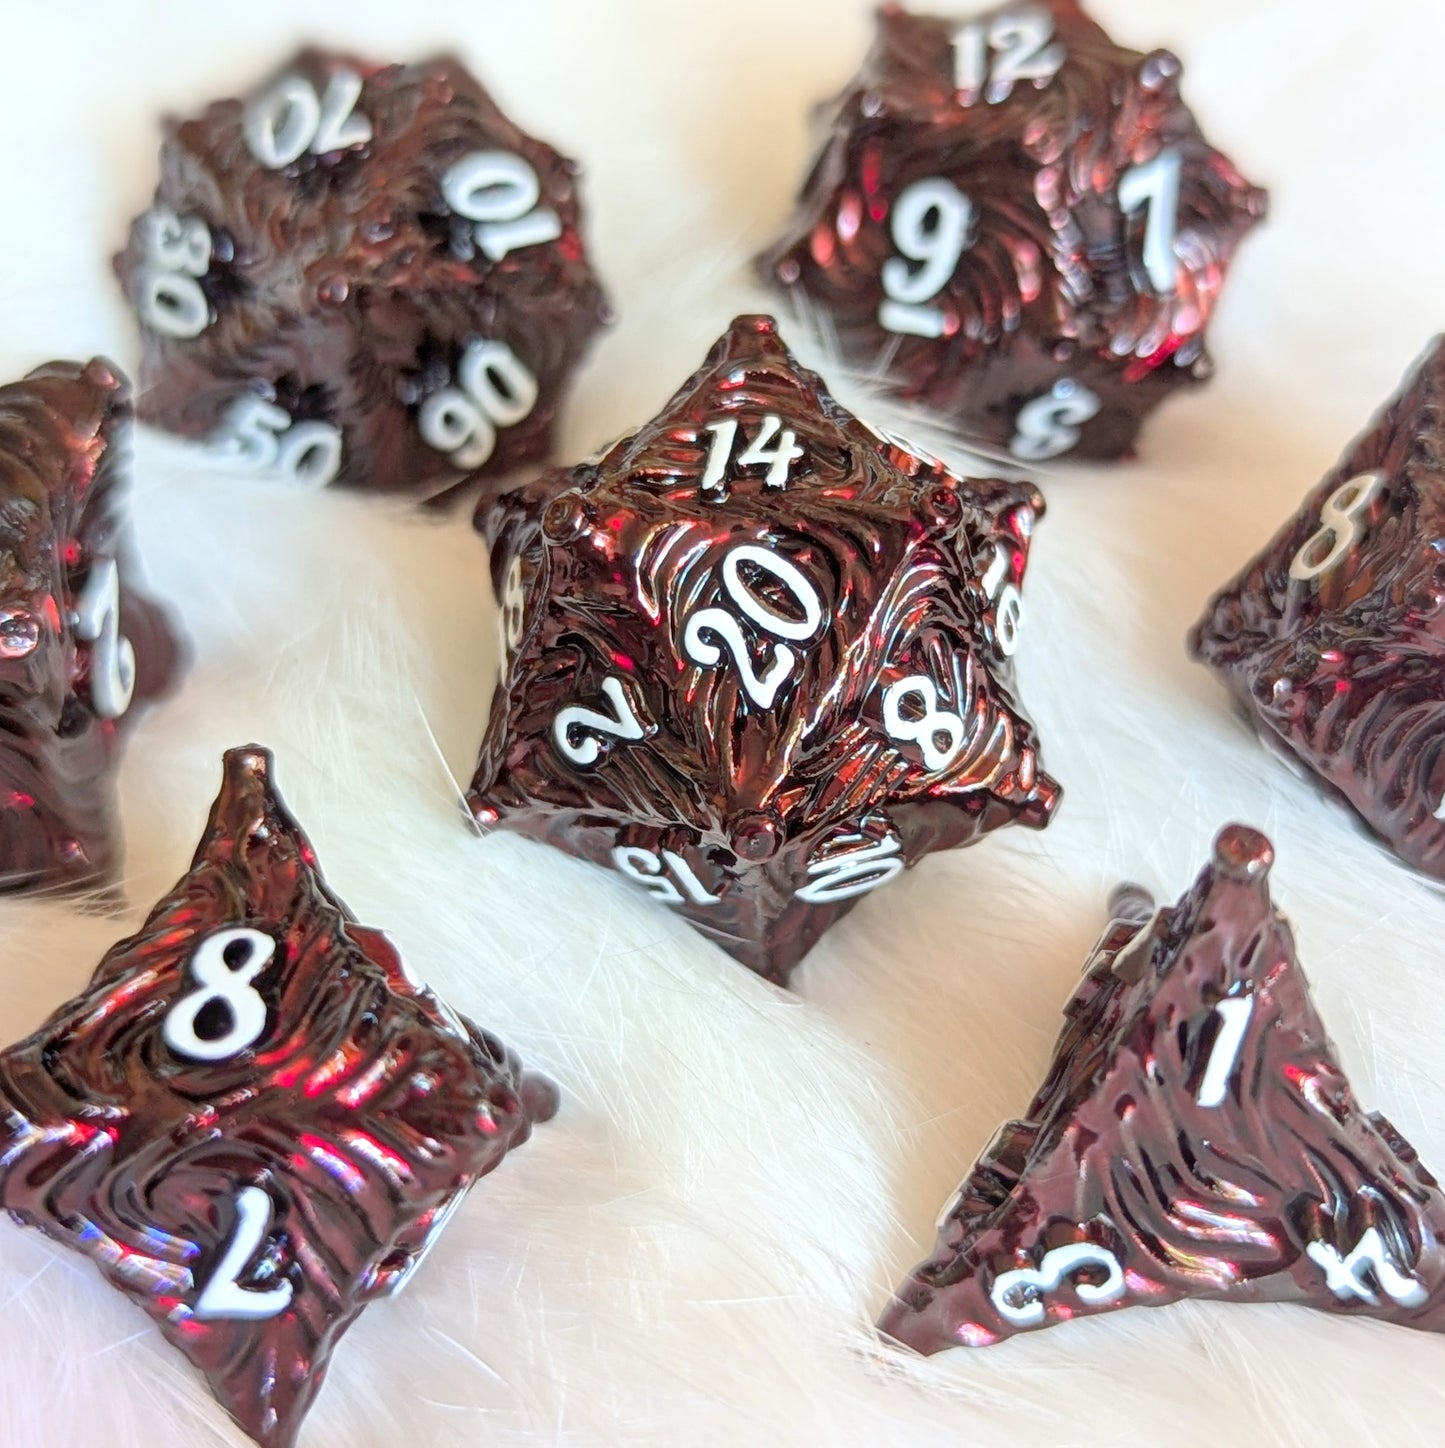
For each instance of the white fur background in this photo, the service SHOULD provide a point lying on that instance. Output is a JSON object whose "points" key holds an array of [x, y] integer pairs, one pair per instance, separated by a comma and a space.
{"points": [[693, 1251]]}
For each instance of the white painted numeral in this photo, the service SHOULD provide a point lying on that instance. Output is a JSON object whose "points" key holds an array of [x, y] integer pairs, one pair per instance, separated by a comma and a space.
{"points": [[1008, 611], [223, 966], [1048, 426], [762, 689], [1234, 1015], [223, 1296], [931, 224], [261, 435], [1340, 527], [1154, 188], [512, 620], [849, 873], [586, 749], [1019, 1294], [494, 389], [927, 728], [291, 119], [1345, 1276], [651, 870], [499, 192], [96, 621], [777, 459], [168, 296], [1020, 39]]}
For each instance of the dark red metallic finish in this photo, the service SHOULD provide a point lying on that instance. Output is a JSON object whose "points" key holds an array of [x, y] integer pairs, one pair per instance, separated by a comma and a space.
{"points": [[1342, 671], [1270, 1185], [1053, 288], [64, 450], [609, 564], [364, 1111], [344, 289]]}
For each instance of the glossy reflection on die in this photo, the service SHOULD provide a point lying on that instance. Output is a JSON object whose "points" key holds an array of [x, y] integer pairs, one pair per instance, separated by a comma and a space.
{"points": [[759, 658], [1332, 639], [1017, 223]]}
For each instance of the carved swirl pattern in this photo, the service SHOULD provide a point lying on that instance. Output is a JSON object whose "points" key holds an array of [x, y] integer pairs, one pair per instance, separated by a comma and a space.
{"points": [[363, 1111], [1342, 671], [619, 556], [1181, 1147], [1051, 284]]}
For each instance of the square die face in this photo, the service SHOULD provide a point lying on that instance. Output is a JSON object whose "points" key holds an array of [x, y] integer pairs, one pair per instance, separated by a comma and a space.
{"points": [[1333, 638], [756, 638], [252, 1121]]}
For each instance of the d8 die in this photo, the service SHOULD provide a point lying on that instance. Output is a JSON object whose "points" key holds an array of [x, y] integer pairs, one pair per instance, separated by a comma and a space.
{"points": [[1333, 638], [1195, 1138], [759, 657], [1019, 225], [80, 649], [253, 1121], [362, 274]]}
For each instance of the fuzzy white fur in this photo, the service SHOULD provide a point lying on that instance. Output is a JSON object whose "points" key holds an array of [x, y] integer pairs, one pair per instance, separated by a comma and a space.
{"points": [[693, 1251]]}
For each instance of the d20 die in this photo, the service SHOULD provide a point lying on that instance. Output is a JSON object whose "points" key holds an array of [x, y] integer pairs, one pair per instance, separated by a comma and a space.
{"points": [[1195, 1137], [80, 649], [1018, 224], [1333, 638], [759, 657], [362, 274], [252, 1121]]}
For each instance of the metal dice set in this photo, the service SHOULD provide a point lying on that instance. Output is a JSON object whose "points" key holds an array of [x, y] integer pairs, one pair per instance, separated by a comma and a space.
{"points": [[758, 660]]}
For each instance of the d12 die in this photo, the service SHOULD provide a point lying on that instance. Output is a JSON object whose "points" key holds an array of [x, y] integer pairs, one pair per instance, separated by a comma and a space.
{"points": [[362, 274], [80, 649], [1195, 1138], [252, 1121], [1018, 223], [759, 657], [1333, 638]]}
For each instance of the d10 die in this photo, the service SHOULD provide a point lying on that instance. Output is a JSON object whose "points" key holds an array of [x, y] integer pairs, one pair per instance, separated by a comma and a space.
{"points": [[1195, 1137], [252, 1121], [1333, 638], [759, 657], [1018, 223], [362, 274], [80, 649]]}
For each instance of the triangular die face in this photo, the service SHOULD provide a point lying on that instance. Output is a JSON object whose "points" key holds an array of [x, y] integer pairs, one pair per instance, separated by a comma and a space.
{"points": [[1196, 1137], [769, 646], [229, 1120]]}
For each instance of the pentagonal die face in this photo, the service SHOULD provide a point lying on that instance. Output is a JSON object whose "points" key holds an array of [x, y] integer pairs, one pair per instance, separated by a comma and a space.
{"points": [[1333, 638], [760, 658], [362, 274], [1019, 224]]}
